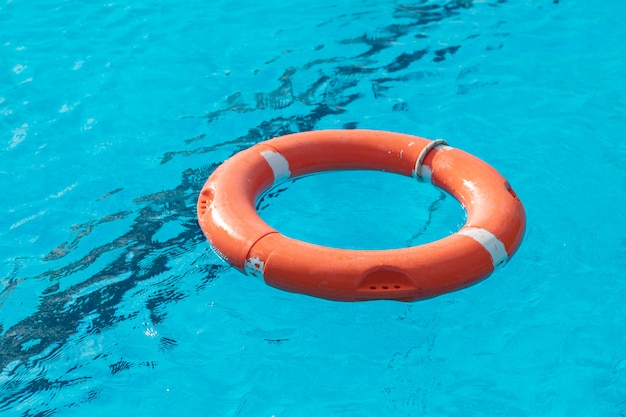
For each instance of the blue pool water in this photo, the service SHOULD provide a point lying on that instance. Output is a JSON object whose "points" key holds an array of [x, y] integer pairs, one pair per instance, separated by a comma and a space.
{"points": [[113, 114]]}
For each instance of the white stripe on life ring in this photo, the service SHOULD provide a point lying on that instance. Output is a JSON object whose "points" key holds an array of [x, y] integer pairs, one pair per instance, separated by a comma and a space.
{"points": [[490, 242], [278, 163]]}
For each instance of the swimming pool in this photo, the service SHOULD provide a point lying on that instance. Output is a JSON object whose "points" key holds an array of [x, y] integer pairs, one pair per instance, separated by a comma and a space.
{"points": [[114, 114]]}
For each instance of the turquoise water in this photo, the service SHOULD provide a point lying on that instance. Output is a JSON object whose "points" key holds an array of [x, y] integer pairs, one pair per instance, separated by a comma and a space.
{"points": [[112, 115]]}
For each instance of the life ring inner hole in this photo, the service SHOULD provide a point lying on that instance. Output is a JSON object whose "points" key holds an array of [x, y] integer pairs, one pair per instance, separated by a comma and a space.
{"points": [[360, 209]]}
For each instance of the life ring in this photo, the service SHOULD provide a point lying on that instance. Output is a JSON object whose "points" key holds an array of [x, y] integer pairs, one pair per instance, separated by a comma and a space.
{"points": [[494, 229]]}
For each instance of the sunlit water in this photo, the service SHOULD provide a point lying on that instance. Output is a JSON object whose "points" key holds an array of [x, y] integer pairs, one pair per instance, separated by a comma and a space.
{"points": [[112, 115]]}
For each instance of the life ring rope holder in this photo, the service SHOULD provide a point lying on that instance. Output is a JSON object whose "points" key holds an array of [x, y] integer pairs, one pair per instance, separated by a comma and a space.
{"points": [[492, 233], [417, 171]]}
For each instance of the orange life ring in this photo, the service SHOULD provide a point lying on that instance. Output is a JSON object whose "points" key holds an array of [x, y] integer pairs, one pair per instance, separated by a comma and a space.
{"points": [[493, 231]]}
